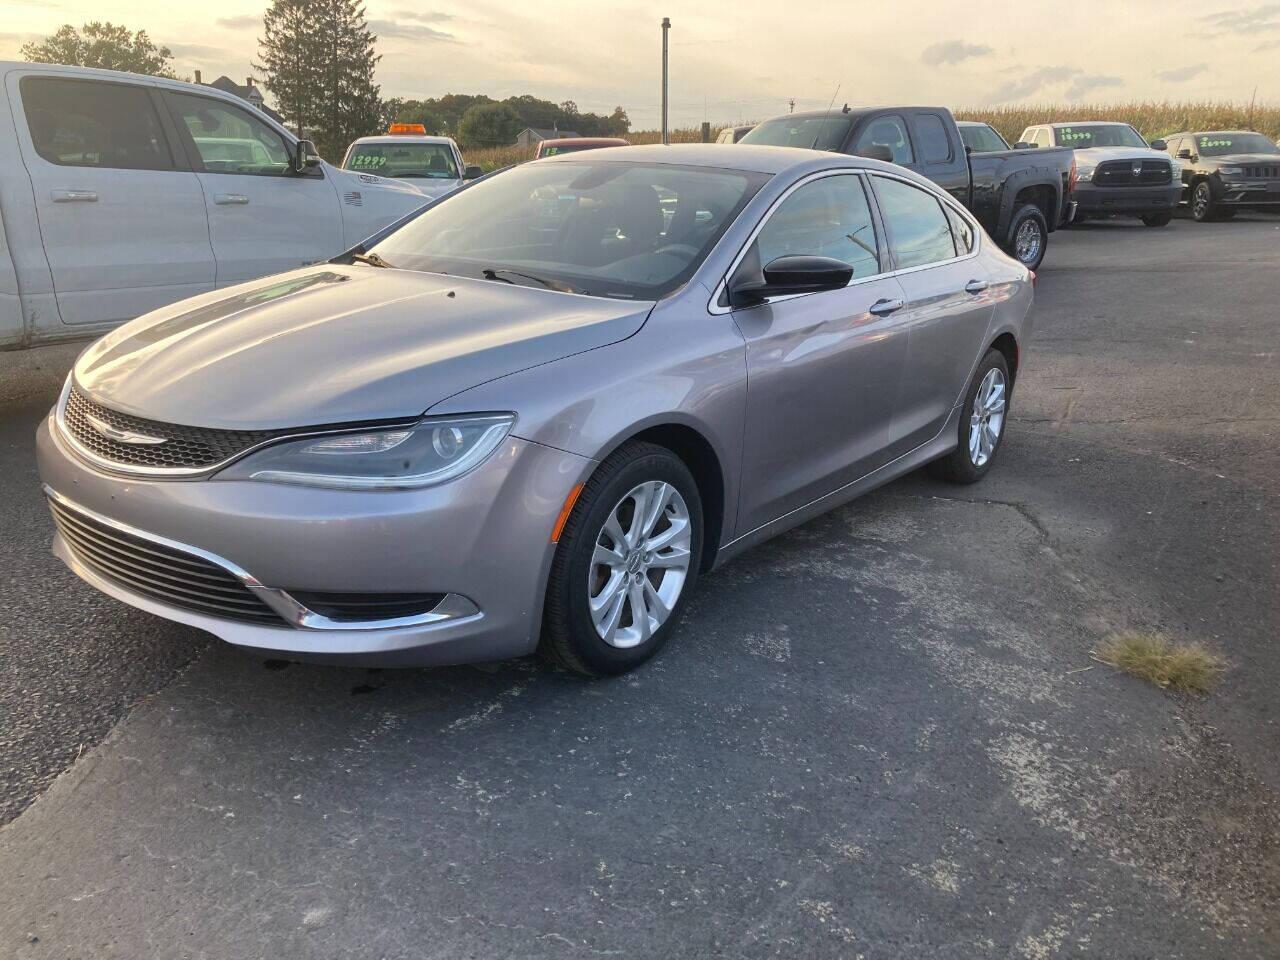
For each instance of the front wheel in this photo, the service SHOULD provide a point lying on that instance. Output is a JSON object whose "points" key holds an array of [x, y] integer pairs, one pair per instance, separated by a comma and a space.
{"points": [[1028, 236], [1203, 209], [626, 562], [982, 422], [1157, 219]]}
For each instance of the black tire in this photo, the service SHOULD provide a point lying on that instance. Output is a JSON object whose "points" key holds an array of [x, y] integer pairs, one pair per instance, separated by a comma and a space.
{"points": [[1203, 208], [1157, 219], [958, 466], [1027, 213], [569, 638]]}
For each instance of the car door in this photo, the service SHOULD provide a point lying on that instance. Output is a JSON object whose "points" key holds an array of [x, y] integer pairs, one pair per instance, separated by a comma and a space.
{"points": [[121, 215], [822, 368], [933, 244], [263, 217]]}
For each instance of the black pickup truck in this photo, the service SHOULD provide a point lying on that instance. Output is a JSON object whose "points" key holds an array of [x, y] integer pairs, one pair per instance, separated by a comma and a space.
{"points": [[1019, 196]]}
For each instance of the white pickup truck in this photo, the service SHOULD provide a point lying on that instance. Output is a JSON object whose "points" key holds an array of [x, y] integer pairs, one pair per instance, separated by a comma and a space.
{"points": [[121, 193]]}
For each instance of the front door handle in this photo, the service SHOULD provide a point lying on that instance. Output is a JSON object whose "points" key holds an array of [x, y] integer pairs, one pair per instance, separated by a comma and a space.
{"points": [[885, 306], [976, 286], [230, 199], [73, 196]]}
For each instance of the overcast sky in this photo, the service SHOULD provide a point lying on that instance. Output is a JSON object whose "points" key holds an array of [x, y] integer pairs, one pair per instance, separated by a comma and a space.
{"points": [[746, 59]]}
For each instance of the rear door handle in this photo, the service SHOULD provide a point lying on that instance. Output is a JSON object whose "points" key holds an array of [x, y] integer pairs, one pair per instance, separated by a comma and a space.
{"points": [[230, 199], [73, 196], [976, 286], [885, 306]]}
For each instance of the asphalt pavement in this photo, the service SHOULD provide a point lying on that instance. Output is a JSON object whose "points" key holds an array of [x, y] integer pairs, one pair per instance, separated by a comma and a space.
{"points": [[881, 735]]}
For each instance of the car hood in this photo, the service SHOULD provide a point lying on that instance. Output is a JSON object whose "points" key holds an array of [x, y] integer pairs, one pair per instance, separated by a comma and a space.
{"points": [[1249, 158], [1099, 154], [338, 344]]}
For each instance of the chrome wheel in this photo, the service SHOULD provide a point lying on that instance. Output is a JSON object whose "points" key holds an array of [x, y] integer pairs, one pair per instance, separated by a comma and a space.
{"points": [[639, 564], [986, 419], [1027, 241]]}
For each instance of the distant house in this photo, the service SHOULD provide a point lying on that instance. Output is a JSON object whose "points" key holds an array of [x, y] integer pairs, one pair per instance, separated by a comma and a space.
{"points": [[250, 92], [532, 136]]}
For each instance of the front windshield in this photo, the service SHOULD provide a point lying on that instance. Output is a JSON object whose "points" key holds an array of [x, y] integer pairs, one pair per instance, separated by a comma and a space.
{"points": [[1225, 144], [550, 151], [610, 229], [816, 133], [403, 160], [982, 139], [1084, 135]]}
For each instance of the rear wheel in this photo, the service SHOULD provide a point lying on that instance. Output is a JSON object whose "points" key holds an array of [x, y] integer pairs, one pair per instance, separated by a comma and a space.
{"points": [[982, 422], [626, 562], [1157, 219], [1028, 236]]}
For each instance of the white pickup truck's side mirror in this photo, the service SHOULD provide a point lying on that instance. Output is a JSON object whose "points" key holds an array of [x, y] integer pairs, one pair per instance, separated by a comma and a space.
{"points": [[305, 156]]}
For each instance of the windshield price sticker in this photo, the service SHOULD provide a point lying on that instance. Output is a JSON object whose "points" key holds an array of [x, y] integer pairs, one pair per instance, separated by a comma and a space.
{"points": [[1212, 142], [1070, 135], [365, 162]]}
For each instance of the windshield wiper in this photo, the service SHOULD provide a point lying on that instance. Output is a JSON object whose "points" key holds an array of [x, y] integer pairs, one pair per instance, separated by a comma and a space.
{"points": [[491, 273], [372, 259]]}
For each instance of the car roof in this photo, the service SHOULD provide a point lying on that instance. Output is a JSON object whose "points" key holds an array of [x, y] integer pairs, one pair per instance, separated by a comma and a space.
{"points": [[1080, 123], [972, 123], [611, 141], [404, 138], [1208, 133]]}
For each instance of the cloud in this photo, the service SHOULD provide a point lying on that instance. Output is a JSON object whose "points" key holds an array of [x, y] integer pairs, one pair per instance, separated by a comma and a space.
{"points": [[1269, 45], [1033, 82], [1182, 74], [423, 16], [198, 51], [246, 22], [409, 31], [1082, 85], [1245, 20], [953, 51]]}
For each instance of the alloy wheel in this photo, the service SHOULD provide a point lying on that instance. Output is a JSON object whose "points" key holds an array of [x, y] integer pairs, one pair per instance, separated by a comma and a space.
{"points": [[986, 419], [1027, 241], [639, 564], [1200, 202]]}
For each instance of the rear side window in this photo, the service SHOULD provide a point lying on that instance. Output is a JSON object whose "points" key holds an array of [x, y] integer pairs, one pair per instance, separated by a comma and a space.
{"points": [[889, 132], [230, 140], [961, 231], [829, 217], [935, 145], [919, 233], [82, 123]]}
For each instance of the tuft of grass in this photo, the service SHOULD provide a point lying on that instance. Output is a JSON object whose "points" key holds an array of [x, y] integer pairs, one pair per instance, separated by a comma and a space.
{"points": [[1187, 667]]}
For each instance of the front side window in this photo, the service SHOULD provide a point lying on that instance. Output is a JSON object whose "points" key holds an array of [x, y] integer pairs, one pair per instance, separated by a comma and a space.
{"points": [[919, 233], [1226, 144], [230, 140], [889, 132], [935, 145], [829, 217], [1042, 138], [812, 133], [403, 161], [84, 123], [610, 229], [1083, 135]]}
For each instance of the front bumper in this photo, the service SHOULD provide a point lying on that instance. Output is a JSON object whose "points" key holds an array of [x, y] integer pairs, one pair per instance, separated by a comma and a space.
{"points": [[1126, 200], [1245, 193], [483, 539]]}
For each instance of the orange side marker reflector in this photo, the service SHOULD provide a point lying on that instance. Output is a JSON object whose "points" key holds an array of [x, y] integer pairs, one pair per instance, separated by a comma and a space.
{"points": [[564, 512]]}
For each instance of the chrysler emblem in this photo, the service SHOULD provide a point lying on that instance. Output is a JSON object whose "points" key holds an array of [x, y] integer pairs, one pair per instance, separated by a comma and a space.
{"points": [[122, 436]]}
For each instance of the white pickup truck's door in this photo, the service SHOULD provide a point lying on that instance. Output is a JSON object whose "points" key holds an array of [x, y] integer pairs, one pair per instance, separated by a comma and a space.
{"points": [[263, 218], [121, 215]]}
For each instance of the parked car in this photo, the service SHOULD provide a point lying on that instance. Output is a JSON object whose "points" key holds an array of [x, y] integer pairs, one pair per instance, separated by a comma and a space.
{"points": [[432, 164], [1117, 172], [533, 415], [123, 193], [1226, 170], [981, 137], [1018, 197], [734, 134], [554, 148]]}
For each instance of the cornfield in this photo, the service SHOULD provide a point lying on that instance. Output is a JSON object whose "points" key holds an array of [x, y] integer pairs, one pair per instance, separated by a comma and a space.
{"points": [[1152, 119]]}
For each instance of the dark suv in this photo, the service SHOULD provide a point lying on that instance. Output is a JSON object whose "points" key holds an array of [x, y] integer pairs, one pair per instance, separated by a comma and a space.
{"points": [[1224, 170]]}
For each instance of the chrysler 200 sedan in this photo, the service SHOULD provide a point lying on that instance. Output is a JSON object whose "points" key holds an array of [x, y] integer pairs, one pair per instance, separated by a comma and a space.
{"points": [[530, 417]]}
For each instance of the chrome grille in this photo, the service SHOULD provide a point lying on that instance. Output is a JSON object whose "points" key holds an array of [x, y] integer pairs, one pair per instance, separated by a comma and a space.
{"points": [[158, 571], [184, 448]]}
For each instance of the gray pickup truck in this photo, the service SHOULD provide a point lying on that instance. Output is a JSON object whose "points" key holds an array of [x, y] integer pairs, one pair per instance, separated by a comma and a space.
{"points": [[1019, 196]]}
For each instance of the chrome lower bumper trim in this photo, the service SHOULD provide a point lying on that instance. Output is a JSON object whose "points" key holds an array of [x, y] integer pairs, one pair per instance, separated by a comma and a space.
{"points": [[453, 607]]}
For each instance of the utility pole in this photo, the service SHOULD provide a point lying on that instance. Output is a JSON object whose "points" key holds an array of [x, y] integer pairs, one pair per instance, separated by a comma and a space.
{"points": [[792, 104], [666, 28]]}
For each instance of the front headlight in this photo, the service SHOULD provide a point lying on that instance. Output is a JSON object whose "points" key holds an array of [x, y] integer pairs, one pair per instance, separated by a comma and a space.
{"points": [[430, 452], [1084, 174], [1231, 171], [1175, 169]]}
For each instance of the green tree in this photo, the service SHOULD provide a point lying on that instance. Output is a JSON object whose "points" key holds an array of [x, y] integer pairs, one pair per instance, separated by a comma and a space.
{"points": [[318, 60], [103, 45], [489, 125]]}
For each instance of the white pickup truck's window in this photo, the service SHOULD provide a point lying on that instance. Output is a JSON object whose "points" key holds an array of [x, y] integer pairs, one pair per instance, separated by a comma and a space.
{"points": [[83, 123], [230, 140]]}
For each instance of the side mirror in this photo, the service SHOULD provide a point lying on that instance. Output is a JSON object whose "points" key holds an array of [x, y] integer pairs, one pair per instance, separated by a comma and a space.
{"points": [[1159, 144], [792, 274], [1184, 154], [1024, 145], [305, 156], [877, 151], [472, 173]]}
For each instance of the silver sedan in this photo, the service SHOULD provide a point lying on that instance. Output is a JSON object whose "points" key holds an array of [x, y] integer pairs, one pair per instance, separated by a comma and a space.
{"points": [[531, 416]]}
